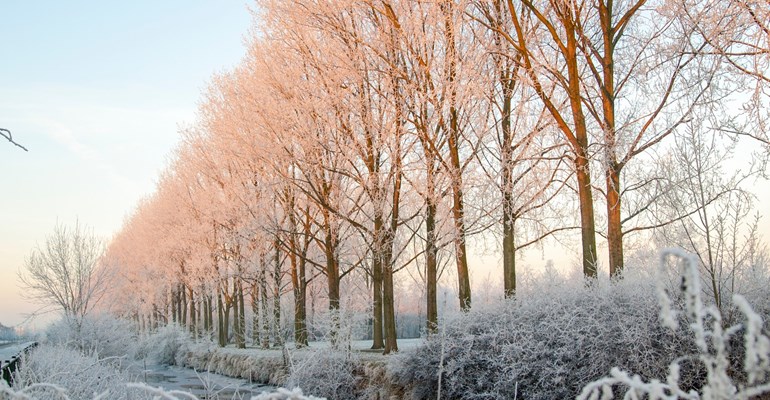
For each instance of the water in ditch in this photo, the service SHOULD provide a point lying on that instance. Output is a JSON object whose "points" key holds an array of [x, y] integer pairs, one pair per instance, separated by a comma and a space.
{"points": [[202, 384]]}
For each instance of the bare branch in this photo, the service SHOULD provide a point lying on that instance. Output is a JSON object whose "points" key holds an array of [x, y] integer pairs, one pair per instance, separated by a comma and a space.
{"points": [[7, 134]]}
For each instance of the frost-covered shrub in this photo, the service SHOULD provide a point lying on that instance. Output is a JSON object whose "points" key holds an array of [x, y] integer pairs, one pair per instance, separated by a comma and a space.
{"points": [[335, 372], [327, 373], [285, 394], [103, 334], [716, 349], [556, 336], [53, 371], [163, 345], [341, 327]]}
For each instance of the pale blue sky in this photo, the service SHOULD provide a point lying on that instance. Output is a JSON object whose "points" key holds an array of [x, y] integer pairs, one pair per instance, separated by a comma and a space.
{"points": [[96, 90]]}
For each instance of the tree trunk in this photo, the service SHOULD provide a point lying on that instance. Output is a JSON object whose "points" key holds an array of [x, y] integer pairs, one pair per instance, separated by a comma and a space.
{"points": [[509, 244], [299, 287], [235, 305], [587, 230], [226, 318], [277, 336], [205, 316], [389, 314], [254, 313], [332, 279], [580, 147], [193, 321], [509, 251], [614, 227], [203, 312], [300, 311], [183, 301], [461, 257], [210, 314], [156, 317], [453, 140], [431, 248], [265, 336], [242, 315], [377, 283], [222, 339], [238, 328], [199, 316], [431, 265], [174, 316]]}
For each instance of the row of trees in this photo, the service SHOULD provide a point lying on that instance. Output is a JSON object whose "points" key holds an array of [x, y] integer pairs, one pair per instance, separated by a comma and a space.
{"points": [[358, 139]]}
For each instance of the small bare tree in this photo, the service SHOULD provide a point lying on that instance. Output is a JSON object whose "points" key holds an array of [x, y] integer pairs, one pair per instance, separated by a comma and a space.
{"points": [[66, 273], [712, 217]]}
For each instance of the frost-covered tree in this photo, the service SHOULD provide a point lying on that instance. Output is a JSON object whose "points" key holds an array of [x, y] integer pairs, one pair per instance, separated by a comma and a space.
{"points": [[66, 272], [712, 214]]}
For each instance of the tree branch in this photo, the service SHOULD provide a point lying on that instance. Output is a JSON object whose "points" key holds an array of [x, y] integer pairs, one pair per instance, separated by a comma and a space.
{"points": [[7, 134]]}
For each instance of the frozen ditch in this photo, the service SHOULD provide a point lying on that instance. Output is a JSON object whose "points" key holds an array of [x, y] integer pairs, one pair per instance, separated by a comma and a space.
{"points": [[202, 384]]}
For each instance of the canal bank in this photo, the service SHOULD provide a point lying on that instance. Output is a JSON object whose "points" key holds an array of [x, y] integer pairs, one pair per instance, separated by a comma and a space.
{"points": [[355, 371]]}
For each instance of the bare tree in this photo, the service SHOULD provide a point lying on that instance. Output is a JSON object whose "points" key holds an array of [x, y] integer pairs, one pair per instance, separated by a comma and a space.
{"points": [[66, 272], [720, 231], [7, 134]]}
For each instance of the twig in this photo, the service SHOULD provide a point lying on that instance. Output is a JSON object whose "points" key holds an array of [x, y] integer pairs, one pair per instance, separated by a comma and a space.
{"points": [[7, 134]]}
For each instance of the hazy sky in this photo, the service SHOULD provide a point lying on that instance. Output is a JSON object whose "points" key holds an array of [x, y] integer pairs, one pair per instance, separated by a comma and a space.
{"points": [[95, 91]]}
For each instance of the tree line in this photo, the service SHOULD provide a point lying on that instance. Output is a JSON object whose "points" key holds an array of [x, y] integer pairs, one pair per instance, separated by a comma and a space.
{"points": [[360, 140]]}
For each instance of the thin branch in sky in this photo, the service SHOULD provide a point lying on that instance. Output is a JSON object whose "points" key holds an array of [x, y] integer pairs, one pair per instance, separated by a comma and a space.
{"points": [[7, 134]]}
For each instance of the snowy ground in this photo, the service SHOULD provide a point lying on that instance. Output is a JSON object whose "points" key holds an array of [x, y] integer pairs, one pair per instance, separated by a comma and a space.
{"points": [[204, 385], [268, 358], [362, 346]]}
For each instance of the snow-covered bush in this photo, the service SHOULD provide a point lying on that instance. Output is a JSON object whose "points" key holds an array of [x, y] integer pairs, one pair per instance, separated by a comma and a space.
{"points": [[327, 373], [285, 394], [342, 326], [556, 336], [163, 345], [715, 348], [54, 371], [334, 372], [103, 334]]}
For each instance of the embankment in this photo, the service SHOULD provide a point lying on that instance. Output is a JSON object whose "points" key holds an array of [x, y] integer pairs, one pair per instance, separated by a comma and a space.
{"points": [[368, 374]]}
